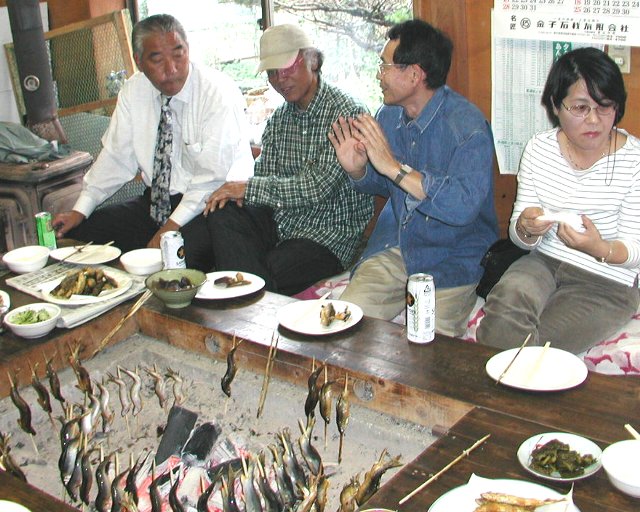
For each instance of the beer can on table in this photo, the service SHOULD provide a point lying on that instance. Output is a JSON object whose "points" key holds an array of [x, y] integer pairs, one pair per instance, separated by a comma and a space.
{"points": [[172, 250], [44, 228], [421, 308]]}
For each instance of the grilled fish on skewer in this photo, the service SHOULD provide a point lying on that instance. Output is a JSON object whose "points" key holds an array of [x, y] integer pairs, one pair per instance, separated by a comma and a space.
{"points": [[43, 394], [84, 379], [313, 395], [131, 485], [283, 480], [348, 495], [291, 464], [174, 501], [154, 490], [229, 503], [23, 408], [178, 393], [72, 485], [67, 460], [159, 385], [231, 369], [309, 453], [272, 500], [251, 499], [54, 381], [322, 494], [122, 393], [87, 476], [6, 460], [103, 481], [342, 414], [117, 491], [106, 412], [371, 481], [134, 391]]}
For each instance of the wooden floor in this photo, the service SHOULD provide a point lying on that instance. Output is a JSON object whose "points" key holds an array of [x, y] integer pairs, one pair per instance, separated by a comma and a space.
{"points": [[442, 385]]}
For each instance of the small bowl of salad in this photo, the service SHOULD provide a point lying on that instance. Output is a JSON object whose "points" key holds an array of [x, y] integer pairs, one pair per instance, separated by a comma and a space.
{"points": [[33, 320]]}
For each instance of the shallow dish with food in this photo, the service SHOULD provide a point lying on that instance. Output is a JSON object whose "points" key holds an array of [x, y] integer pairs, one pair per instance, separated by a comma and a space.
{"points": [[142, 262], [620, 461], [463, 498], [78, 298], [580, 445], [33, 320], [212, 291], [176, 287], [27, 259], [306, 316]]}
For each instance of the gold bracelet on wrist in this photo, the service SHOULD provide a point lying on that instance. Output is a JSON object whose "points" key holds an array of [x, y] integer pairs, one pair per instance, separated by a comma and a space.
{"points": [[605, 259]]}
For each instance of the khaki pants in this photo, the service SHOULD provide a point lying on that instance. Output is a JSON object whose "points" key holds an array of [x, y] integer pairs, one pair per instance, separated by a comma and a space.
{"points": [[378, 286]]}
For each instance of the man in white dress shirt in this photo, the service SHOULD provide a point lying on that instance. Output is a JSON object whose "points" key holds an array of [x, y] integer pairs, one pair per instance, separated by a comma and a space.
{"points": [[210, 146]]}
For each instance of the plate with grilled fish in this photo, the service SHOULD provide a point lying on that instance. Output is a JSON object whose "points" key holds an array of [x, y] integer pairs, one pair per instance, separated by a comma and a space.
{"points": [[560, 456], [319, 317], [484, 494], [229, 284], [85, 286]]}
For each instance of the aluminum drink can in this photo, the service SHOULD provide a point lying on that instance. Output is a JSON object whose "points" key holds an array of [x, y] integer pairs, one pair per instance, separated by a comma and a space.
{"points": [[172, 250], [421, 308], [44, 228]]}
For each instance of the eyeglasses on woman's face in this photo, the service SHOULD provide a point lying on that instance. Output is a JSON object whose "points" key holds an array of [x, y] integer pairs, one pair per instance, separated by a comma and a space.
{"points": [[286, 72], [584, 109]]}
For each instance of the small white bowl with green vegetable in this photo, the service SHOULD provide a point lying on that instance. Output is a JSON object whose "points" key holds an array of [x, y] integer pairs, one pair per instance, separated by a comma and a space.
{"points": [[33, 320]]}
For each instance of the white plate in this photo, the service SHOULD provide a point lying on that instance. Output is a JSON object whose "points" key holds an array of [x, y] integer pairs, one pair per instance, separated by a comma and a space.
{"points": [[10, 506], [92, 255], [124, 283], [580, 444], [536, 370], [304, 317], [5, 301], [463, 498], [209, 291]]}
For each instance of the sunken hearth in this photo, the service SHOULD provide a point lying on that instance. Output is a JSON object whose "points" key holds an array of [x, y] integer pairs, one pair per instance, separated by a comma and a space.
{"points": [[227, 428]]}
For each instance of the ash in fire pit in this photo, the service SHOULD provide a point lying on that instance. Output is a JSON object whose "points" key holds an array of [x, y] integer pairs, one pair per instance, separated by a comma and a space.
{"points": [[226, 432]]}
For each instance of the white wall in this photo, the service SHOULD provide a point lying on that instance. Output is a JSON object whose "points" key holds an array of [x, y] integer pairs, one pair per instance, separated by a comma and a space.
{"points": [[8, 109]]}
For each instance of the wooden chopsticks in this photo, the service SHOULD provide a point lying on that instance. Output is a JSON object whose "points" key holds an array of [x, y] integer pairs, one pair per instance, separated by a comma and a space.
{"points": [[526, 340]]}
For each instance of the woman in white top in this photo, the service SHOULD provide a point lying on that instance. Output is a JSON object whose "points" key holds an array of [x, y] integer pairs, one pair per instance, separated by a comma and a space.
{"points": [[578, 211]]}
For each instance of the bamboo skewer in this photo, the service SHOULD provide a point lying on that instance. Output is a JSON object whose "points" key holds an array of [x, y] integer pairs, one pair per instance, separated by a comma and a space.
{"points": [[143, 298], [464, 454], [273, 349]]}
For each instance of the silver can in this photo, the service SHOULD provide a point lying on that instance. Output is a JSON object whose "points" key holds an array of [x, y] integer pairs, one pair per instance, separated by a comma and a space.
{"points": [[421, 308], [172, 250]]}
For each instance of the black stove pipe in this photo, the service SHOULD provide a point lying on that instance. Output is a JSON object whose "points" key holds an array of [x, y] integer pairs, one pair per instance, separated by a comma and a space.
{"points": [[34, 69]]}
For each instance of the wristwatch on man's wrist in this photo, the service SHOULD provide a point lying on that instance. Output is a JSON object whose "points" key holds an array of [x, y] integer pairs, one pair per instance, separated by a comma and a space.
{"points": [[402, 172]]}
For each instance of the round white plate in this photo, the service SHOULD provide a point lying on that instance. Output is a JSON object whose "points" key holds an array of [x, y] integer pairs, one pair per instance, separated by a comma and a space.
{"points": [[304, 317], [210, 291], [124, 283], [463, 498], [5, 301], [580, 444], [10, 506], [92, 255], [537, 370]]}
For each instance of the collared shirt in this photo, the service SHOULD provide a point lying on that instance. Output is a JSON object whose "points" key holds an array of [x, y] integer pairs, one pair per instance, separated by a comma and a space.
{"points": [[210, 135], [299, 177], [608, 193], [447, 233]]}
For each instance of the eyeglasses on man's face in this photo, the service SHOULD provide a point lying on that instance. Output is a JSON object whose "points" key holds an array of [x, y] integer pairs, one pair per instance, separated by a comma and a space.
{"points": [[382, 67], [286, 72], [584, 109]]}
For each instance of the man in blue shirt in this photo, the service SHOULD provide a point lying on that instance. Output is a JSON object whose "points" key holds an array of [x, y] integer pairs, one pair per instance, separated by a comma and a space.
{"points": [[430, 151]]}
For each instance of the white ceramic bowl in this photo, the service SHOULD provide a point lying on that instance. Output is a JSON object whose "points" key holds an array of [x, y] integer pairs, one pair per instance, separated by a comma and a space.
{"points": [[37, 329], [620, 462], [142, 262], [26, 259], [10, 506]]}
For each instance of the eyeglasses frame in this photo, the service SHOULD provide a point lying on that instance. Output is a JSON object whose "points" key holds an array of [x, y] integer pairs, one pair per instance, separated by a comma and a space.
{"points": [[571, 109]]}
